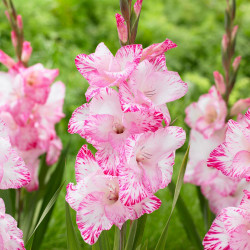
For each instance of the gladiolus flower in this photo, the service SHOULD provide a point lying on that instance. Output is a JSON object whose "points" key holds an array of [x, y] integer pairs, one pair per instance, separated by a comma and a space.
{"points": [[102, 69], [96, 199], [232, 157], [230, 229], [13, 172], [10, 235], [208, 114]]}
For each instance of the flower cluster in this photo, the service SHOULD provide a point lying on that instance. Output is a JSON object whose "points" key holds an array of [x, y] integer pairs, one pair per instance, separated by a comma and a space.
{"points": [[207, 118], [31, 107], [13, 174], [123, 121]]}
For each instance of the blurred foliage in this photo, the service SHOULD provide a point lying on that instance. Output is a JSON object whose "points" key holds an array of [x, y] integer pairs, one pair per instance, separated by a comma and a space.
{"points": [[60, 29]]}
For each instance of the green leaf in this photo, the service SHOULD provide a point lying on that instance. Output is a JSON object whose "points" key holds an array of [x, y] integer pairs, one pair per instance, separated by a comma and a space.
{"points": [[117, 239], [141, 222], [131, 236], [9, 197], [187, 220], [72, 241], [208, 216], [44, 214], [163, 238], [104, 241], [51, 187]]}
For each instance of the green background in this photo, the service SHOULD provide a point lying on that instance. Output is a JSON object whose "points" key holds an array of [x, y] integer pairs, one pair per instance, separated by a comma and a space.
{"points": [[61, 29]]}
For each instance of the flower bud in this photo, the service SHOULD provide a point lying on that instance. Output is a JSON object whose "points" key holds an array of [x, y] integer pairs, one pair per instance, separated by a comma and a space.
{"points": [[14, 38], [121, 28], [219, 82], [236, 63], [6, 60], [224, 42], [137, 7], [240, 106], [26, 52], [7, 15], [19, 22], [234, 31]]}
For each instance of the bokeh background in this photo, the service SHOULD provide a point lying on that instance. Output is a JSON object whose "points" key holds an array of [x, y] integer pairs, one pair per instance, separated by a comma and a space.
{"points": [[61, 29]]}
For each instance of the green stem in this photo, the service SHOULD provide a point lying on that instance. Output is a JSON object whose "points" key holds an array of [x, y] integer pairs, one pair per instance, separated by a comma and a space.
{"points": [[123, 236]]}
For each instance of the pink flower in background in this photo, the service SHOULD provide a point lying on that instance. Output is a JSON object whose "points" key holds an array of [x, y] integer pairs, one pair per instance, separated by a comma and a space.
{"points": [[230, 229], [218, 201], [197, 171], [31, 105], [10, 235], [13, 172], [121, 28], [148, 166], [232, 157], [96, 199], [102, 69], [103, 123], [208, 114]]}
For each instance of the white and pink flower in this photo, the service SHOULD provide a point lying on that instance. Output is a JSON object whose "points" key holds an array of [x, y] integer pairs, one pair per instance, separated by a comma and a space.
{"points": [[232, 157], [151, 85], [208, 114], [13, 172], [96, 199], [102, 69], [10, 235], [148, 165], [230, 229]]}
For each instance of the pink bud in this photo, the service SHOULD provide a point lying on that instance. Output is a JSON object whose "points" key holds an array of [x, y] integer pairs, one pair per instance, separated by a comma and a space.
{"points": [[137, 7], [157, 49], [6, 60], [26, 52], [240, 106], [234, 31], [121, 28], [19, 22], [224, 42], [219, 82], [236, 63], [14, 38], [7, 15]]}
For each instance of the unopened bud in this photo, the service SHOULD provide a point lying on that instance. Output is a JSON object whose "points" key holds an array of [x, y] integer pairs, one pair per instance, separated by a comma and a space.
{"points": [[236, 63], [6, 60], [224, 42], [240, 106], [121, 28], [219, 82], [14, 38], [7, 15], [234, 31], [157, 49], [137, 7], [26, 52], [19, 22]]}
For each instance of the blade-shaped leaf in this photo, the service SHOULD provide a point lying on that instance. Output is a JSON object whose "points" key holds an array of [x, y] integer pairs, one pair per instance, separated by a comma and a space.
{"points": [[141, 222], [208, 216], [72, 241], [187, 220], [131, 236], [163, 238], [9, 197], [44, 214], [51, 187]]}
